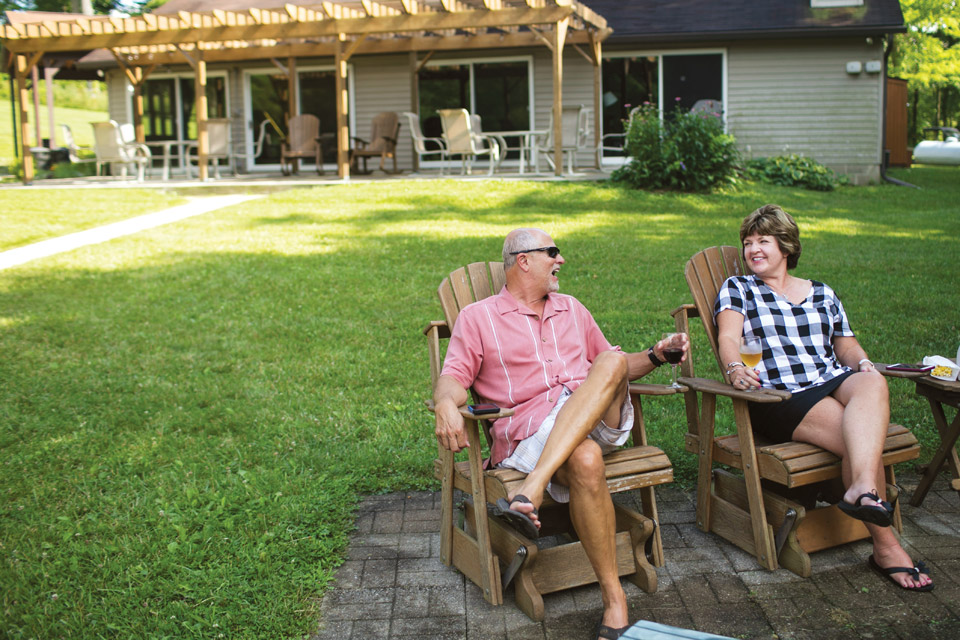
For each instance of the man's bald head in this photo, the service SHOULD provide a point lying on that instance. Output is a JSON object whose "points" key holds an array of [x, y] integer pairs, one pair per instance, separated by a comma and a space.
{"points": [[521, 240]]}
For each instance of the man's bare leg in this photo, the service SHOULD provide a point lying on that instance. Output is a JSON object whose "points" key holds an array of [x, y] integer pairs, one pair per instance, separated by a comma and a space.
{"points": [[593, 517], [598, 398]]}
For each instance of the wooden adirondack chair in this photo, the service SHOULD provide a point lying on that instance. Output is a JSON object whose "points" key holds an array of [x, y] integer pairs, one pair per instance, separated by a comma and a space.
{"points": [[491, 554], [771, 511], [383, 143], [302, 142]]}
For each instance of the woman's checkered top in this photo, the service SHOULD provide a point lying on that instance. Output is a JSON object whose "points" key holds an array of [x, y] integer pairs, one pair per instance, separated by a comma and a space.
{"points": [[797, 339]]}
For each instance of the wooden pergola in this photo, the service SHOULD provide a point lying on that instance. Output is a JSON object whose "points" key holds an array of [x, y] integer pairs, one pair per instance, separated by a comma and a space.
{"points": [[338, 29]]}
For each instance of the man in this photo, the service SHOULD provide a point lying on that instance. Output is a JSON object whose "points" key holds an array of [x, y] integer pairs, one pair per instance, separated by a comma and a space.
{"points": [[540, 353]]}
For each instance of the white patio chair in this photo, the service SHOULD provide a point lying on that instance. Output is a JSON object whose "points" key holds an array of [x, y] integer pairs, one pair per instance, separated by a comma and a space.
{"points": [[218, 136], [71, 146], [420, 141], [461, 140], [111, 147], [576, 127], [617, 142]]}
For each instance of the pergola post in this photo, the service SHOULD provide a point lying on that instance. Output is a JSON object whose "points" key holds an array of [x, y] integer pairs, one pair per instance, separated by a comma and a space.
{"points": [[23, 67], [414, 103], [559, 36], [137, 77], [203, 139], [343, 129], [48, 73], [293, 103], [597, 98]]}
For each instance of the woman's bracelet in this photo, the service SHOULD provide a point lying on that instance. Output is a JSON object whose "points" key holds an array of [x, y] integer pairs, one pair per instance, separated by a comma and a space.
{"points": [[860, 364], [733, 365]]}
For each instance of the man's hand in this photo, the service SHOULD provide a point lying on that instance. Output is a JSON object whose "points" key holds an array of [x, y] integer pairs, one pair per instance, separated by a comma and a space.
{"points": [[450, 432], [447, 398], [678, 339]]}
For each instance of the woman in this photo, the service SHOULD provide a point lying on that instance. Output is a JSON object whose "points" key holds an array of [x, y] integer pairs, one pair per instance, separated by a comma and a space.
{"points": [[839, 401]]}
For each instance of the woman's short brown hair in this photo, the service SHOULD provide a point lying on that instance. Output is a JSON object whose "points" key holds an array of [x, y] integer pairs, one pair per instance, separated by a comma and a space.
{"points": [[772, 220]]}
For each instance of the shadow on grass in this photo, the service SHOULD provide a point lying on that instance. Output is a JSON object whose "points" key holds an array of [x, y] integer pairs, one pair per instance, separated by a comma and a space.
{"points": [[191, 433]]}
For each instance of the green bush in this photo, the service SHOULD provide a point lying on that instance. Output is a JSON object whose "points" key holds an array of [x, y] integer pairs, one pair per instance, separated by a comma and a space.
{"points": [[685, 152], [794, 171]]}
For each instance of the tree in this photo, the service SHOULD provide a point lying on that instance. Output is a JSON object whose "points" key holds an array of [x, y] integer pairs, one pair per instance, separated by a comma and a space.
{"points": [[928, 57], [71, 6]]}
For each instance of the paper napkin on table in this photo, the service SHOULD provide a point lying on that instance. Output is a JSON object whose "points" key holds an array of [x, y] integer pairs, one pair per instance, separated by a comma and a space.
{"points": [[940, 361]]}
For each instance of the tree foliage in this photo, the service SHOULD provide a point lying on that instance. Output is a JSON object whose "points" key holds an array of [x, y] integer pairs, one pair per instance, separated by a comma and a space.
{"points": [[928, 57], [99, 6]]}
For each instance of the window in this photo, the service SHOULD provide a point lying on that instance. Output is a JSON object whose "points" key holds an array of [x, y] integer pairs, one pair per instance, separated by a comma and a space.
{"points": [[667, 81], [169, 106], [498, 91]]}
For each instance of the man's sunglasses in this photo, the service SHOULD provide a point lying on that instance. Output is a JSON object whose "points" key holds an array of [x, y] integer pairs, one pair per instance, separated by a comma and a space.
{"points": [[553, 252]]}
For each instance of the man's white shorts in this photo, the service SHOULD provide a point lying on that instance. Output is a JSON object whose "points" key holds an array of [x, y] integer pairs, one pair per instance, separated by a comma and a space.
{"points": [[525, 456]]}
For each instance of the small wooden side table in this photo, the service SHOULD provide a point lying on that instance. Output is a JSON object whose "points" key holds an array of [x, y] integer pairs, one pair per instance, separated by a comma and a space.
{"points": [[938, 393]]}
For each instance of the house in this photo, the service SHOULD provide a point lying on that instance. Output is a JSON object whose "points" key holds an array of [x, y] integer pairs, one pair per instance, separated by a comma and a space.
{"points": [[792, 76]]}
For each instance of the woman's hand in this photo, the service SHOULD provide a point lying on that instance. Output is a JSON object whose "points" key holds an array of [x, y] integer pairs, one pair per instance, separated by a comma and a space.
{"points": [[742, 377]]}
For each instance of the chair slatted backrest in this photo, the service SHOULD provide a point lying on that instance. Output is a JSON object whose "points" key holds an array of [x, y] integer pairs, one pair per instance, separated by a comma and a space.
{"points": [[218, 135], [304, 130], [705, 273], [383, 132], [108, 144], [469, 284], [457, 131], [464, 286]]}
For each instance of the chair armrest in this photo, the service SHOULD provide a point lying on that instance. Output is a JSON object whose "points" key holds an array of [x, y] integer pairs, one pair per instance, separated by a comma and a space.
{"points": [[439, 141], [359, 141], [690, 309], [707, 385], [465, 412], [643, 389], [440, 325]]}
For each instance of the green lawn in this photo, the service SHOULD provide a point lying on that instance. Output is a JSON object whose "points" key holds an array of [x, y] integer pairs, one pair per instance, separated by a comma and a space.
{"points": [[188, 415], [30, 216]]}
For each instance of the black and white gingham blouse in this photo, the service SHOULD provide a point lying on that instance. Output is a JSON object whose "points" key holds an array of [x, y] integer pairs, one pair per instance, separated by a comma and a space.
{"points": [[797, 339]]}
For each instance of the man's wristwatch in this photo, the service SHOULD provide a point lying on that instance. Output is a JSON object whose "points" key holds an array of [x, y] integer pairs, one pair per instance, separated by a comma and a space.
{"points": [[653, 358]]}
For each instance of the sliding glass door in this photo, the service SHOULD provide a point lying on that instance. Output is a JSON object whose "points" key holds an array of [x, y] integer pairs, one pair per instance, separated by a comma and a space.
{"points": [[499, 91], [668, 81], [268, 99]]}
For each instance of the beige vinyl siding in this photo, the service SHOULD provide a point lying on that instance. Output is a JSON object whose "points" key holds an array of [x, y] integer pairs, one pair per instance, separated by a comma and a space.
{"points": [[795, 97], [382, 83], [117, 97]]}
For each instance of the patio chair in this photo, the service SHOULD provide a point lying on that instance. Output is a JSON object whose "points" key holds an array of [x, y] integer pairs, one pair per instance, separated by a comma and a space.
{"points": [[771, 509], [73, 151], [302, 142], [617, 142], [420, 141], [110, 146], [218, 136], [576, 128], [462, 140], [383, 142], [493, 555]]}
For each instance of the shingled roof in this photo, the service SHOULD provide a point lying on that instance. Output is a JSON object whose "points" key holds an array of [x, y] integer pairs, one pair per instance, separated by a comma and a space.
{"points": [[661, 21]]}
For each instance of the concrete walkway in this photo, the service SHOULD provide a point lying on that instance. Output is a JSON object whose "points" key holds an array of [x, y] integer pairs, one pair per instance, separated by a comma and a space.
{"points": [[72, 241], [393, 584]]}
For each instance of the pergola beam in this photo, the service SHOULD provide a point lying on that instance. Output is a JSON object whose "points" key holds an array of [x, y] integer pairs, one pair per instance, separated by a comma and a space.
{"points": [[192, 28]]}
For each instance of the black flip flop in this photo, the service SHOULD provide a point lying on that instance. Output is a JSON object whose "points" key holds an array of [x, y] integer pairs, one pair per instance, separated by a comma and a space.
{"points": [[880, 514], [913, 571], [516, 519], [610, 633]]}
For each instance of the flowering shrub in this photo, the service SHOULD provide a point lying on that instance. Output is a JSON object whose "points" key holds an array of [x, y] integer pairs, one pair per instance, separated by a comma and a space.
{"points": [[794, 171], [686, 152]]}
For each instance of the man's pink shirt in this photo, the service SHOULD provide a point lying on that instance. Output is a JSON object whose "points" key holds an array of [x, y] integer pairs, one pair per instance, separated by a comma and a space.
{"points": [[515, 359]]}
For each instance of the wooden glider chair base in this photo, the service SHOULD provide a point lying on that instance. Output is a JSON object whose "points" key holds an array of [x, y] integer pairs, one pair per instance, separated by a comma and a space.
{"points": [[775, 510], [494, 555]]}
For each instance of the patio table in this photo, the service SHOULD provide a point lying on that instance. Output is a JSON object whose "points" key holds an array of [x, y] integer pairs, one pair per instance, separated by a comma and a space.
{"points": [[938, 393], [526, 137], [168, 146]]}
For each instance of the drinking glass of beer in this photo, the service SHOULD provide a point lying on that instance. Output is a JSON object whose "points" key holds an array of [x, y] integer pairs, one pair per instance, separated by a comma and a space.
{"points": [[673, 353], [750, 352]]}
